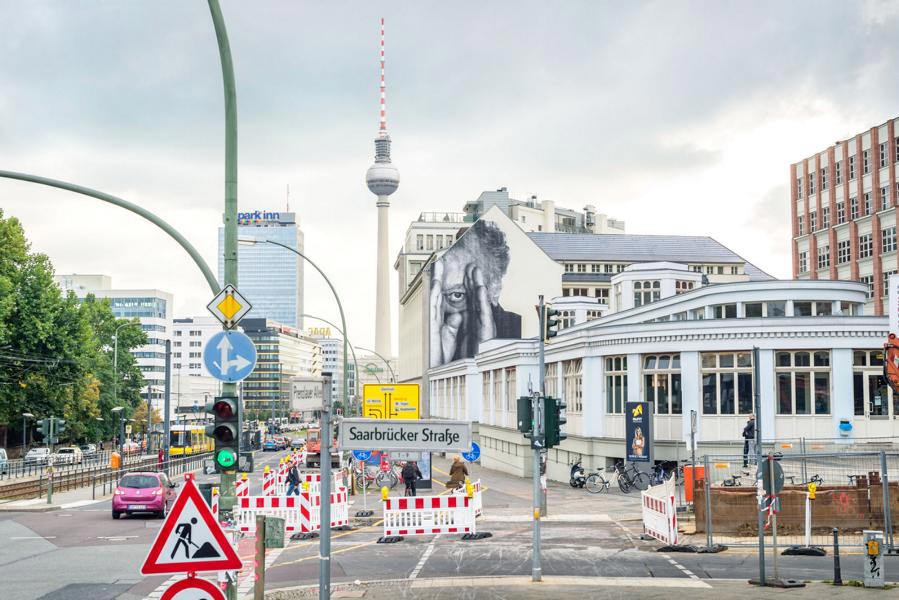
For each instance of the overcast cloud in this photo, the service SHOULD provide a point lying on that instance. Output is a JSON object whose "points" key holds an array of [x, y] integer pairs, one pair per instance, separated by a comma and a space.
{"points": [[678, 117]]}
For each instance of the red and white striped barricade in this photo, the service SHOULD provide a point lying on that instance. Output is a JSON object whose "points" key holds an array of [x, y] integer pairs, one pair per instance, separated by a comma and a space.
{"points": [[310, 517], [268, 482], [214, 503], [475, 496], [285, 507], [242, 486], [660, 512], [427, 515]]}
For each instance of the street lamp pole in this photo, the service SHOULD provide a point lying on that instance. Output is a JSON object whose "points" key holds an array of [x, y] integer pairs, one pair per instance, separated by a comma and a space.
{"points": [[386, 362], [115, 363], [25, 417]]}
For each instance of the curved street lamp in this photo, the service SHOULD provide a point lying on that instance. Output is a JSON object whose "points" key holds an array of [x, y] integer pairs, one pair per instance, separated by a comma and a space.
{"points": [[386, 362], [340, 331]]}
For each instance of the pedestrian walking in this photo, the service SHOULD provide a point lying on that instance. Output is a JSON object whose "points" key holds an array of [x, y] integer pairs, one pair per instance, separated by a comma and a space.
{"points": [[748, 440], [411, 474], [458, 473], [293, 480]]}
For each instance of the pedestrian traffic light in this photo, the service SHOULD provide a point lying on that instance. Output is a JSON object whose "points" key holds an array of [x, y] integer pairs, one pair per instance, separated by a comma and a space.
{"points": [[224, 431], [551, 322], [60, 427], [554, 409], [43, 427], [525, 415]]}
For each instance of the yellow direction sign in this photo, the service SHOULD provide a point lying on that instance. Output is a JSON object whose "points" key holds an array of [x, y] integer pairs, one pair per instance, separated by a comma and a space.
{"points": [[397, 401], [229, 307]]}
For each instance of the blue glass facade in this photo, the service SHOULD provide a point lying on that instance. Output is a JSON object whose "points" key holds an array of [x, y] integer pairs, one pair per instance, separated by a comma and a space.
{"points": [[271, 278]]}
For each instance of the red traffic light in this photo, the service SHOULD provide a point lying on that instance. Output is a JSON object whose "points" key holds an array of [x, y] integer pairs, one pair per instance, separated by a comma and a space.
{"points": [[224, 408]]}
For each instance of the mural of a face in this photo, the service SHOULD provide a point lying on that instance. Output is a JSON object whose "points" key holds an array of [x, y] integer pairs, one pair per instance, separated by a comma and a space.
{"points": [[464, 297]]}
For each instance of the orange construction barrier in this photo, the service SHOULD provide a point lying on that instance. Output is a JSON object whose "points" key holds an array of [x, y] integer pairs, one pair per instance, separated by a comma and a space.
{"points": [[688, 480]]}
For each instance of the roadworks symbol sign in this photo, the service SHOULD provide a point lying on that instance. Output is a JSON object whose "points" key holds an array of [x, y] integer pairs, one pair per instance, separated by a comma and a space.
{"points": [[190, 539]]}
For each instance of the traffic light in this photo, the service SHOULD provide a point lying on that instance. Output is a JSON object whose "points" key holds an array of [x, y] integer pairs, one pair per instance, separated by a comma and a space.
{"points": [[43, 427], [224, 432], [554, 409], [551, 322], [60, 427], [525, 414]]}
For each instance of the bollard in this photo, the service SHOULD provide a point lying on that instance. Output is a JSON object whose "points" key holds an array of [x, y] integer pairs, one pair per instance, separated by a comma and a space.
{"points": [[837, 575]]}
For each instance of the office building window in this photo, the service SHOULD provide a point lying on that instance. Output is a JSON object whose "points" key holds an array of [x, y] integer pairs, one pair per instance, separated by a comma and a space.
{"points": [[870, 396], [607, 268], [799, 187], [883, 155], [726, 383], [728, 311], [823, 179], [867, 197], [844, 254], [569, 267], [885, 283], [803, 382], [825, 217], [581, 268], [574, 385], [801, 221], [869, 281], [838, 172], [596, 268], [888, 239], [176, 366], [196, 344], [864, 245], [853, 208], [646, 292], [616, 384], [811, 184], [803, 262], [851, 168], [813, 221], [823, 257], [841, 212], [865, 165], [884, 198], [662, 384], [177, 333], [420, 242]]}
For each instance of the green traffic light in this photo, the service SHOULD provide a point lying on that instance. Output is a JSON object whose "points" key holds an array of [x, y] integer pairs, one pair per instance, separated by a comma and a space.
{"points": [[226, 458]]}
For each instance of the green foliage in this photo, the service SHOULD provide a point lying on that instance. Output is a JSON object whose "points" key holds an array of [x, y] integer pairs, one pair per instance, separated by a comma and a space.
{"points": [[56, 351]]}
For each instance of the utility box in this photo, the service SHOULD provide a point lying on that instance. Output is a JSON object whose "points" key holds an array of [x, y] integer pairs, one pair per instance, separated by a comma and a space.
{"points": [[206, 492], [873, 549], [274, 532]]}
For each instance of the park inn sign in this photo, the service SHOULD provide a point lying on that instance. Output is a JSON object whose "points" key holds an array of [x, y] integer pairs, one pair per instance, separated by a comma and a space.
{"points": [[398, 435]]}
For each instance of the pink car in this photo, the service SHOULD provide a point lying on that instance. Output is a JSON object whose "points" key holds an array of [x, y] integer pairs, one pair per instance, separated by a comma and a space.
{"points": [[143, 492]]}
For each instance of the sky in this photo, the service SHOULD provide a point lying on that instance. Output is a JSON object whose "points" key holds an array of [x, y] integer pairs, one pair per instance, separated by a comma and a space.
{"points": [[677, 117]]}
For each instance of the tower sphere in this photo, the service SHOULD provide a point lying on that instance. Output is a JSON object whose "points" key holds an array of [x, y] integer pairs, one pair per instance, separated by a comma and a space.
{"points": [[382, 178]]}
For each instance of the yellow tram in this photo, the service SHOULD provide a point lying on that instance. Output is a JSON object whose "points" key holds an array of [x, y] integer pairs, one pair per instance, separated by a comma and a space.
{"points": [[189, 439]]}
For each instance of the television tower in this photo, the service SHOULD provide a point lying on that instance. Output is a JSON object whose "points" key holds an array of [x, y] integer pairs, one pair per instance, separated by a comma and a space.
{"points": [[382, 179]]}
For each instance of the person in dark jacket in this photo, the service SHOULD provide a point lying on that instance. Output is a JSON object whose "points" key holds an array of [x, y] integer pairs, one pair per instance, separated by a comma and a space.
{"points": [[748, 440], [458, 473], [293, 480], [411, 474]]}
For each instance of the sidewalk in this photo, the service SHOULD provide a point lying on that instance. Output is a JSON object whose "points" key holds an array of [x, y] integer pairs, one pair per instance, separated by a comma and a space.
{"points": [[521, 588], [61, 501]]}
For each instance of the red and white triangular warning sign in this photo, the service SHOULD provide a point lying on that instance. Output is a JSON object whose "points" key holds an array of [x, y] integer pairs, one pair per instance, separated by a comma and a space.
{"points": [[190, 539]]}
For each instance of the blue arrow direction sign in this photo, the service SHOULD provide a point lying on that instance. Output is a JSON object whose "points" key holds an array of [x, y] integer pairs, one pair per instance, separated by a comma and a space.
{"points": [[362, 455], [229, 356], [475, 453]]}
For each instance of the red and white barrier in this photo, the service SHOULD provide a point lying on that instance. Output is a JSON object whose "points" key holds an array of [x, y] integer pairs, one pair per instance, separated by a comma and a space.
{"points": [[476, 496], [268, 482], [214, 503], [310, 515], [242, 486], [660, 512], [428, 515], [300, 513]]}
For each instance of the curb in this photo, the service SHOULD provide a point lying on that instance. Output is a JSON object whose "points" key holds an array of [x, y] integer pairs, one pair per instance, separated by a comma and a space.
{"points": [[32, 509]]}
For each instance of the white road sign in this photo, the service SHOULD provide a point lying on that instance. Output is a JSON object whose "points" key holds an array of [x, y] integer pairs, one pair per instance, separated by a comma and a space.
{"points": [[405, 434], [229, 307]]}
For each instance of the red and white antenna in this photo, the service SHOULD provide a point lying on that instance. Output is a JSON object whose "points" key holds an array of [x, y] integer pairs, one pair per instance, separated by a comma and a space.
{"points": [[383, 127]]}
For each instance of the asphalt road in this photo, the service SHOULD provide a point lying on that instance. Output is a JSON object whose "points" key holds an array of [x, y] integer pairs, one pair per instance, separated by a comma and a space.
{"points": [[83, 554]]}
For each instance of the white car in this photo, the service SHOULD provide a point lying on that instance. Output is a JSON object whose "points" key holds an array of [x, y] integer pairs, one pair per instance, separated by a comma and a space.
{"points": [[68, 456], [37, 456]]}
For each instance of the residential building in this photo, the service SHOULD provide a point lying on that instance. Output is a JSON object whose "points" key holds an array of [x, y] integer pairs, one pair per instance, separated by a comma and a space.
{"points": [[189, 337], [270, 277], [332, 361], [431, 232], [282, 352], [152, 307], [843, 212]]}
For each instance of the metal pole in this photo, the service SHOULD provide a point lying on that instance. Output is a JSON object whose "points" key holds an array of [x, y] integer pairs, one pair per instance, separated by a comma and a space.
{"points": [[708, 501], [50, 462], [693, 456], [773, 499], [166, 443], [226, 480], [386, 362], [259, 584], [887, 516], [757, 403], [24, 431], [324, 546], [837, 572], [537, 443]]}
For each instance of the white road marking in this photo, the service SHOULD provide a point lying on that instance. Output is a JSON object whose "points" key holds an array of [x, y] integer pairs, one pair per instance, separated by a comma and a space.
{"points": [[424, 558], [595, 518], [116, 538], [33, 537], [662, 582], [682, 568]]}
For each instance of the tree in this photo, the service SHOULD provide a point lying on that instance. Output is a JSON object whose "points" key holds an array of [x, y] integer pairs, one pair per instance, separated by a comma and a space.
{"points": [[140, 418]]}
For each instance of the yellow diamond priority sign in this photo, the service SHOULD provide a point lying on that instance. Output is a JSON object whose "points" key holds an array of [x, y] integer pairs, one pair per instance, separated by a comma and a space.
{"points": [[229, 307]]}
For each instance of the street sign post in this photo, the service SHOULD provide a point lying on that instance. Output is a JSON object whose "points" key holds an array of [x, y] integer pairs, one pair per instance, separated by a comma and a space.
{"points": [[190, 539], [193, 588], [405, 434], [230, 356], [229, 307]]}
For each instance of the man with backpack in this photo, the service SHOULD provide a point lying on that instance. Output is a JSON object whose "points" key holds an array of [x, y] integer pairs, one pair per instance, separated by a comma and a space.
{"points": [[293, 480], [410, 474]]}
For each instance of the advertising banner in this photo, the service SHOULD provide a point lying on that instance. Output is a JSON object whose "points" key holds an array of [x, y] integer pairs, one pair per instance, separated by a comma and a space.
{"points": [[638, 431]]}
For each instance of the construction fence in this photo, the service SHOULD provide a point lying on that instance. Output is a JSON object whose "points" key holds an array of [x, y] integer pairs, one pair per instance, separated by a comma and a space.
{"points": [[853, 491]]}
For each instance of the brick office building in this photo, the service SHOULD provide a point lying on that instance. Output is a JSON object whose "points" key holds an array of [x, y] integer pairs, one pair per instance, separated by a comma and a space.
{"points": [[843, 207]]}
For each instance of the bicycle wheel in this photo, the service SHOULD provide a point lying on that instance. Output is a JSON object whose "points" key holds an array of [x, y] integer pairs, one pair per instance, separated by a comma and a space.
{"points": [[641, 481], [596, 484], [623, 484], [383, 479]]}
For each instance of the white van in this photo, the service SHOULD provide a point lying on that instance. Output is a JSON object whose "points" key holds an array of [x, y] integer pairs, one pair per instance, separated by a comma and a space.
{"points": [[68, 456]]}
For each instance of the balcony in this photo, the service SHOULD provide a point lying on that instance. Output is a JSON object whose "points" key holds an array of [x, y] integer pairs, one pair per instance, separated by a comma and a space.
{"points": [[441, 217]]}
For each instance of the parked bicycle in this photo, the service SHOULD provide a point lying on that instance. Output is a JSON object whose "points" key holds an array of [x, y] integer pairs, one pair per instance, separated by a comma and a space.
{"points": [[596, 483], [816, 479], [631, 477], [733, 481], [660, 474]]}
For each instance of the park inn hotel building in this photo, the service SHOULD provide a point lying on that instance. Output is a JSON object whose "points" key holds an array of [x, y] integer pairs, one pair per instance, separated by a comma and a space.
{"points": [[843, 207]]}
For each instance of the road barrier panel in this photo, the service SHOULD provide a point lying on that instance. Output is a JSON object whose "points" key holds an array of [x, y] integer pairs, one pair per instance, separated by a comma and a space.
{"points": [[429, 515], [475, 495], [268, 482], [660, 513], [242, 486], [300, 512]]}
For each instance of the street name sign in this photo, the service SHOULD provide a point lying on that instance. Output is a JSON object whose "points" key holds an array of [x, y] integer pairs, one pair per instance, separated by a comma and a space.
{"points": [[193, 588], [190, 539], [229, 307], [230, 356], [405, 434]]}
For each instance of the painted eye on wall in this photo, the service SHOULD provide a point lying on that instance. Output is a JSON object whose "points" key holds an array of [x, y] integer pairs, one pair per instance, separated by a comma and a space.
{"points": [[456, 296]]}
